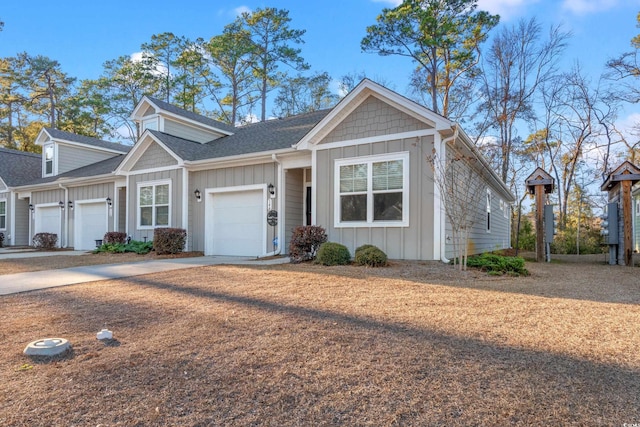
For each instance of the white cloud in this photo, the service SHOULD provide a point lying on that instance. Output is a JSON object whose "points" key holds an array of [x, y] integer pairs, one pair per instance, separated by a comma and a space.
{"points": [[240, 10], [505, 8], [581, 7], [392, 3]]}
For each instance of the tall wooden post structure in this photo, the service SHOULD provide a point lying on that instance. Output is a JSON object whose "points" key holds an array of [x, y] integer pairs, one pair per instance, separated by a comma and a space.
{"points": [[538, 184], [619, 184]]}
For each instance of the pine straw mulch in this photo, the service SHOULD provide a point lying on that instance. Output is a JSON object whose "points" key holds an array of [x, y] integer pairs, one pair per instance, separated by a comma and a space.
{"points": [[411, 344]]}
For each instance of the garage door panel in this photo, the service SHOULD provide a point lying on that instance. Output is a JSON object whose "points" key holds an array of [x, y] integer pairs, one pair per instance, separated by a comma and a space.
{"points": [[91, 224], [238, 223], [48, 220]]}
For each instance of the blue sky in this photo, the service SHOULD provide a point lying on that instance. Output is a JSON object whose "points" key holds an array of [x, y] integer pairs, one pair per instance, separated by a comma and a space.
{"points": [[82, 35]]}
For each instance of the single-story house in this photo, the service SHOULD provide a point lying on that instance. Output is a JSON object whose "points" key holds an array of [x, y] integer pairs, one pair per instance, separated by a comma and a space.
{"points": [[359, 170]]}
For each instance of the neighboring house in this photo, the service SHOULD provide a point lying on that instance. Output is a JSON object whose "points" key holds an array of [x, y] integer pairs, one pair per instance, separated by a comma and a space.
{"points": [[359, 170], [16, 168]]}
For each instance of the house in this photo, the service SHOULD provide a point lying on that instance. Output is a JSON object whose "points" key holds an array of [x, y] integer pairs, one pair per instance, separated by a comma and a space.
{"points": [[359, 170]]}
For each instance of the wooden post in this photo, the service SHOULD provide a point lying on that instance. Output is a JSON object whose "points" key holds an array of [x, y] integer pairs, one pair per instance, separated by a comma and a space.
{"points": [[540, 252], [627, 224]]}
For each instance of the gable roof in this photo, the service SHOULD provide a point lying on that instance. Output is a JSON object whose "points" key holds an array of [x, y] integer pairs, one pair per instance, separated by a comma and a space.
{"points": [[177, 111], [18, 167], [627, 171], [84, 140]]}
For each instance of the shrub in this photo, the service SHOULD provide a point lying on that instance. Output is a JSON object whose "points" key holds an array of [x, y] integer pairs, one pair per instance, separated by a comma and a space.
{"points": [[45, 240], [497, 264], [134, 246], [371, 256], [305, 241], [1, 240], [115, 237], [331, 253], [169, 240], [362, 248]]}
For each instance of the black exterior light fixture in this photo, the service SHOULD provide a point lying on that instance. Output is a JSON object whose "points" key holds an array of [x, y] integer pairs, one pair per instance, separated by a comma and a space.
{"points": [[198, 195], [109, 202], [272, 190], [61, 204], [70, 205], [31, 207]]}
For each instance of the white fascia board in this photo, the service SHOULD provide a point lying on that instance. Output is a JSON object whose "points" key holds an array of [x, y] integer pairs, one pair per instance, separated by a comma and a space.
{"points": [[86, 146], [43, 137], [239, 160], [68, 182], [374, 139]]}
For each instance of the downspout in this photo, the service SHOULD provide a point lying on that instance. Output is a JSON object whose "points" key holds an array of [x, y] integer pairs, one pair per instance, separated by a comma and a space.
{"points": [[66, 215], [279, 197], [443, 231]]}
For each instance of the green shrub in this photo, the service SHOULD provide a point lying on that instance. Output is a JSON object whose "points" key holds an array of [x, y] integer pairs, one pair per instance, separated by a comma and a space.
{"points": [[45, 240], [371, 256], [498, 264], [134, 246], [169, 240], [331, 253], [305, 241], [115, 237], [1, 240], [362, 248]]}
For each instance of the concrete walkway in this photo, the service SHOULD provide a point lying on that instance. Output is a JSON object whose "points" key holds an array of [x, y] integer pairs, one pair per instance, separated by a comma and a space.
{"points": [[7, 253], [23, 282]]}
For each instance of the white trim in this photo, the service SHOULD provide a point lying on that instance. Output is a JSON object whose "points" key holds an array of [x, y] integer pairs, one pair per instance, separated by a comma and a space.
{"points": [[488, 199], [185, 204], [208, 212], [12, 231], [153, 184], [314, 187], [54, 157], [138, 150], [369, 160], [374, 139], [6, 215], [48, 205], [439, 232]]}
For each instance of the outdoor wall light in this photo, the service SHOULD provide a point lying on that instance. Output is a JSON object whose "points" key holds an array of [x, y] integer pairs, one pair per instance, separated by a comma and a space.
{"points": [[272, 190], [70, 205], [31, 208], [109, 202], [61, 204], [198, 195]]}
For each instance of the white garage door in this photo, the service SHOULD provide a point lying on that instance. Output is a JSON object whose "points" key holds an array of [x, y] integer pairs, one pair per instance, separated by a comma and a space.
{"points": [[90, 223], [238, 223], [48, 221]]}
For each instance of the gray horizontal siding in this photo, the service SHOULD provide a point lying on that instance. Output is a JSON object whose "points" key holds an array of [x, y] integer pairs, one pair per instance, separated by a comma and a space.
{"points": [[188, 132], [70, 158]]}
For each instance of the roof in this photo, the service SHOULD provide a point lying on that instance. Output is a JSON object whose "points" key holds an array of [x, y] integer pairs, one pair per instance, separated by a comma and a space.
{"points": [[103, 167], [18, 167], [266, 136], [191, 115], [627, 171], [87, 140]]}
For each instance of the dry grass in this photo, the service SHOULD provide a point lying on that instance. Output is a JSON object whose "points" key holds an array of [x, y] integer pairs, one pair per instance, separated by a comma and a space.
{"points": [[412, 344]]}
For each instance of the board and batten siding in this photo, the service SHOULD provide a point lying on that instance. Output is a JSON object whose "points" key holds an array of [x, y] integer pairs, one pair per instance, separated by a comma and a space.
{"points": [[264, 173], [21, 220], [188, 132], [154, 157], [175, 176], [91, 192], [294, 204], [70, 158], [415, 242]]}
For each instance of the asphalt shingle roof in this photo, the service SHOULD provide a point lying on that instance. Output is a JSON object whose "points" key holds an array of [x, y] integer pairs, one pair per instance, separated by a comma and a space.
{"points": [[87, 140], [254, 138], [192, 116], [95, 169], [19, 167]]}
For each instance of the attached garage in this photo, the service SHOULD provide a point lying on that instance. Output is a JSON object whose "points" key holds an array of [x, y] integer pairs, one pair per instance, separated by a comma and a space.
{"points": [[48, 220], [236, 223], [90, 225]]}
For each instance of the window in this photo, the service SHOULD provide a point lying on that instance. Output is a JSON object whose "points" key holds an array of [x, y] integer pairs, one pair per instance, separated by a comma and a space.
{"points": [[372, 191], [3, 214], [637, 207], [48, 159], [153, 204], [507, 209], [488, 210]]}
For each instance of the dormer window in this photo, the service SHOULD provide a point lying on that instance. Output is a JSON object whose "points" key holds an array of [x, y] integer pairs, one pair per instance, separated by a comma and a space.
{"points": [[48, 159]]}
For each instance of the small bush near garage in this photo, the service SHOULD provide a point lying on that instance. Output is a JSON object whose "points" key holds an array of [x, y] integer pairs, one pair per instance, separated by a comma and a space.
{"points": [[45, 240], [169, 240], [331, 253], [140, 248], [115, 237], [370, 256], [305, 242], [498, 264], [1, 240]]}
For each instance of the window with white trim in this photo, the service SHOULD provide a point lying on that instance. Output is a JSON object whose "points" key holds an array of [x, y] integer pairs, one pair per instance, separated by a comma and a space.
{"points": [[507, 209], [48, 159], [154, 204], [488, 211], [372, 191], [3, 214]]}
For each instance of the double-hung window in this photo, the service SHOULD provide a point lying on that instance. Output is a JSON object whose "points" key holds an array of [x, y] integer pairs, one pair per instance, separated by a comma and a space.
{"points": [[48, 160], [3, 214], [372, 191], [154, 204]]}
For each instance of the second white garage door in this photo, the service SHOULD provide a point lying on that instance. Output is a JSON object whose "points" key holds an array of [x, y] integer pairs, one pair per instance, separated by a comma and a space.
{"points": [[91, 224], [48, 220], [238, 223]]}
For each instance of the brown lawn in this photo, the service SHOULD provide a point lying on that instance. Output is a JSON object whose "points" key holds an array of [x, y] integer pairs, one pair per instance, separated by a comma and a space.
{"points": [[412, 344]]}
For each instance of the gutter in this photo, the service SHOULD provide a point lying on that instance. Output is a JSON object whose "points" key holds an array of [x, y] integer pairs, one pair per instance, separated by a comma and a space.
{"points": [[443, 221], [274, 157]]}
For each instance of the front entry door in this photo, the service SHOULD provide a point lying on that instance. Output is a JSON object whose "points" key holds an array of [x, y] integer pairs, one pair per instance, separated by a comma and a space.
{"points": [[307, 205]]}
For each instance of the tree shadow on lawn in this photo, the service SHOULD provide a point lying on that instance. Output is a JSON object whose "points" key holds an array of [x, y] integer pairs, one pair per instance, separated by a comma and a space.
{"points": [[599, 390]]}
